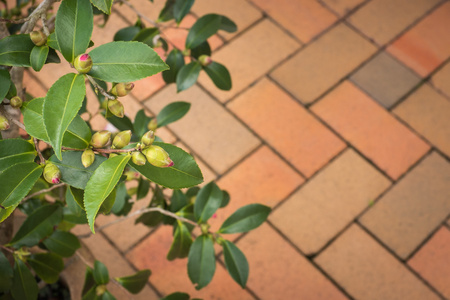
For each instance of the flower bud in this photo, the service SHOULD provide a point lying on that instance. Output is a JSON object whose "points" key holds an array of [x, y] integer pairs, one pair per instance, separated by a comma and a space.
{"points": [[152, 125], [131, 174], [138, 158], [100, 139], [16, 102], [38, 38], [116, 108], [157, 156], [148, 138], [205, 60], [186, 52], [4, 123], [122, 89], [52, 173], [111, 155], [83, 63], [87, 158], [122, 139]]}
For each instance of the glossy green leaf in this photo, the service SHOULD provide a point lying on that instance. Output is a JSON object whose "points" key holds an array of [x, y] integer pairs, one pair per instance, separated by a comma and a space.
{"points": [[6, 274], [52, 42], [182, 242], [108, 203], [203, 28], [72, 170], [5, 83], [78, 135], [147, 36], [61, 104], [143, 188], [74, 199], [107, 296], [15, 50], [101, 184], [13, 151], [140, 123], [227, 25], [175, 61], [37, 226], [184, 173], [103, 5], [181, 9], [219, 75], [136, 282], [24, 285], [52, 57], [225, 199], [89, 281], [125, 61], [12, 91], [17, 181], [38, 57], [208, 200], [62, 243], [235, 262], [188, 75], [101, 274], [120, 123], [126, 34], [178, 201], [121, 198], [177, 296], [73, 27], [166, 13], [5, 213], [245, 219], [201, 261], [172, 112], [202, 49], [47, 266]]}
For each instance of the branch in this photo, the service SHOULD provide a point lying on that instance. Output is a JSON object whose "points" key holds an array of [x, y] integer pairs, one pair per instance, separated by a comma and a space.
{"points": [[42, 191], [18, 21], [36, 15], [103, 150], [36, 145], [7, 249], [100, 89], [10, 118]]}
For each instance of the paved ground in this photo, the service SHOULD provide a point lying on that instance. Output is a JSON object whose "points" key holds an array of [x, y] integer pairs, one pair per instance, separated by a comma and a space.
{"points": [[339, 119]]}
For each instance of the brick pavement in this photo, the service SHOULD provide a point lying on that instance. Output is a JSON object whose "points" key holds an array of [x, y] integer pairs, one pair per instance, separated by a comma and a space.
{"points": [[339, 120]]}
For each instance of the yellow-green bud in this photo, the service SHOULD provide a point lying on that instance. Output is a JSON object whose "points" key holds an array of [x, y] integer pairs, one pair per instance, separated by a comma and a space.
{"points": [[16, 102], [122, 139], [100, 139], [83, 63], [131, 174], [116, 108], [148, 138], [152, 125], [205, 60], [38, 38], [4, 123], [138, 158], [100, 290], [186, 52], [87, 158], [122, 89], [157, 156], [52, 173]]}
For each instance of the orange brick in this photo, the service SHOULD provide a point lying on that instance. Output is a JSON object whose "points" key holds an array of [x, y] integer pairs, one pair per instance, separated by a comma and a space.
{"points": [[304, 18], [426, 45], [441, 79], [32, 86], [371, 129], [287, 126], [342, 7], [103, 35], [147, 8]]}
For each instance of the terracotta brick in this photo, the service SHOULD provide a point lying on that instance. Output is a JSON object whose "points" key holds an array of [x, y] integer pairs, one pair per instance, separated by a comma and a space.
{"points": [[412, 209], [432, 262], [167, 136], [441, 78], [32, 86], [169, 277], [52, 72], [342, 7], [147, 8], [277, 271], [382, 20], [367, 271], [427, 112], [426, 45], [329, 202], [305, 19], [250, 56], [287, 126], [103, 35], [324, 62], [371, 129], [208, 128]]}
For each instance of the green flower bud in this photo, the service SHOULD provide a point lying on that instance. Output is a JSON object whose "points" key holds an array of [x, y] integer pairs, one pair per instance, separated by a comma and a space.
{"points": [[204, 60], [83, 63], [116, 108], [148, 138], [131, 174], [138, 158], [100, 290], [122, 139], [87, 158], [4, 123], [52, 173], [100, 139], [38, 38], [111, 155], [157, 156], [16, 102], [186, 52], [122, 89], [152, 125]]}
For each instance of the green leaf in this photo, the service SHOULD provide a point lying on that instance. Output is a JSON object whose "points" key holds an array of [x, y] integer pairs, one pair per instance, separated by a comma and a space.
{"points": [[127, 33], [101, 184], [107, 296], [134, 283], [182, 242], [245, 219], [201, 261], [6, 274], [143, 188], [125, 61], [13, 151], [225, 199], [17, 181], [78, 135], [61, 105], [203, 28], [24, 286], [38, 57], [72, 170], [52, 57], [108, 203], [175, 60], [140, 123], [188, 75], [184, 173], [208, 200], [5, 213], [101, 275], [202, 49], [73, 27], [47, 266], [166, 13], [15, 50], [178, 201], [181, 9], [120, 123], [177, 296], [103, 5], [52, 42], [37, 226], [227, 25], [121, 198], [147, 36], [5, 83], [89, 281], [172, 112], [219, 75], [236, 263], [62, 243]]}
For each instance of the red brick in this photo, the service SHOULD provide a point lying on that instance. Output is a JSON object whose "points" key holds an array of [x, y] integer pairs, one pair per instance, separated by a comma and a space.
{"points": [[342, 7], [441, 78]]}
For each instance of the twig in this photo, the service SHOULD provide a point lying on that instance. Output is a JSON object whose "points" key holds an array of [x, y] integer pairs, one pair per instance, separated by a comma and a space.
{"points": [[36, 15], [10, 118], [18, 123], [44, 24], [100, 89], [36, 145], [43, 191], [7, 249], [138, 12], [19, 21], [103, 150]]}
